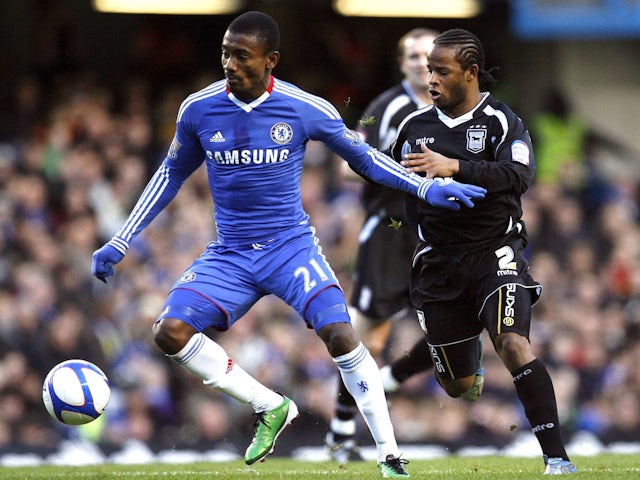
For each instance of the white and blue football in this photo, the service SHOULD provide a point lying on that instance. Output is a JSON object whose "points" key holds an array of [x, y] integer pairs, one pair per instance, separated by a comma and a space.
{"points": [[76, 392]]}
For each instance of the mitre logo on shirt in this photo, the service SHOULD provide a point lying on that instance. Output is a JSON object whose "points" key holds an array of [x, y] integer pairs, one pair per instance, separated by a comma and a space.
{"points": [[425, 140], [476, 137], [281, 133]]}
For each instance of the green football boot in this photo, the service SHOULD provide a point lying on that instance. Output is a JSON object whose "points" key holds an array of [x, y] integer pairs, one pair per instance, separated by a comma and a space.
{"points": [[269, 426], [393, 467]]}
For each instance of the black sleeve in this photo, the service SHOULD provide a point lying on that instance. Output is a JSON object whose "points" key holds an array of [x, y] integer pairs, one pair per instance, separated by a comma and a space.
{"points": [[512, 166]]}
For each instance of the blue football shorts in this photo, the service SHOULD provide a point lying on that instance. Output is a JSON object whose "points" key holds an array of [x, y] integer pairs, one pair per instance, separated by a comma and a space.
{"points": [[221, 285]]}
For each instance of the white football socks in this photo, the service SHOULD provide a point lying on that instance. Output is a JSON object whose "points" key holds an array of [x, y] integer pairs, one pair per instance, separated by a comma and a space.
{"points": [[389, 382], [343, 427], [361, 376], [208, 360]]}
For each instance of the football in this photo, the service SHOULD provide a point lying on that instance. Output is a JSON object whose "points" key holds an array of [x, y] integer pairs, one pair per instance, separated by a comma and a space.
{"points": [[76, 392]]}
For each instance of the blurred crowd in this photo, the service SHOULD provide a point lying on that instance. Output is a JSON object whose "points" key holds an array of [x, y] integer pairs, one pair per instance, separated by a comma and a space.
{"points": [[81, 154]]}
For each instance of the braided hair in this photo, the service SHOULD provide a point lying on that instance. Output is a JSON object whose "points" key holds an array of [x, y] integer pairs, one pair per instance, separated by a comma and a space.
{"points": [[468, 50]]}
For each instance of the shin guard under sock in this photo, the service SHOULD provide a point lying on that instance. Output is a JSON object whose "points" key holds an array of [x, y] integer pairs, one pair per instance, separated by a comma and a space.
{"points": [[535, 390]]}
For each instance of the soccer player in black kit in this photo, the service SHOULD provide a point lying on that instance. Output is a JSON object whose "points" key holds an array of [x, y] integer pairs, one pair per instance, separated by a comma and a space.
{"points": [[469, 270]]}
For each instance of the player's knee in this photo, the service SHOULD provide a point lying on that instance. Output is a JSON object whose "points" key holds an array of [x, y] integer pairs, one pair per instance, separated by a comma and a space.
{"points": [[514, 350], [455, 388], [339, 338], [171, 334]]}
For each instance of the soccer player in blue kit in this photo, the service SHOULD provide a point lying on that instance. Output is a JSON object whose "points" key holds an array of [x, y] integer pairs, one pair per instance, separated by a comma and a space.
{"points": [[251, 130]]}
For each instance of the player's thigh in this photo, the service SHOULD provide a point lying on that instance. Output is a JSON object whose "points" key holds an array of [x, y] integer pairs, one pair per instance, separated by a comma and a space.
{"points": [[457, 360], [506, 290], [298, 272], [452, 329], [204, 296], [508, 310]]}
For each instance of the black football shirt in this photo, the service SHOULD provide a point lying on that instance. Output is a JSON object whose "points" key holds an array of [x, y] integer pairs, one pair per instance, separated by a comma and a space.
{"points": [[494, 149]]}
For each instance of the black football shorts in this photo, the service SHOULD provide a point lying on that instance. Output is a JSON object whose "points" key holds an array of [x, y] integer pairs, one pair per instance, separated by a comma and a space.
{"points": [[383, 268], [461, 294]]}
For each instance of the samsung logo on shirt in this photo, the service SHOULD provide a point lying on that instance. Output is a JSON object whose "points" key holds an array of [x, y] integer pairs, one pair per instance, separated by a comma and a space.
{"points": [[247, 157]]}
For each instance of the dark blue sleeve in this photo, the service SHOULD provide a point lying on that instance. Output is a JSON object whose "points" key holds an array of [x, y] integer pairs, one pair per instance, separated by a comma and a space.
{"points": [[364, 159]]}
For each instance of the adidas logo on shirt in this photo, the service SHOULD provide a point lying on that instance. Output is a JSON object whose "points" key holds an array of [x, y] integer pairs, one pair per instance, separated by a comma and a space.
{"points": [[217, 138]]}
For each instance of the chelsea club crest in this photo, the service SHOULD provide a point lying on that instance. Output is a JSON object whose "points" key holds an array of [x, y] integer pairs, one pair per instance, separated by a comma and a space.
{"points": [[281, 133]]}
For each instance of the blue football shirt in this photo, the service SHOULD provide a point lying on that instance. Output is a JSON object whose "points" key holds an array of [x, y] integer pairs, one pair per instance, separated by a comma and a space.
{"points": [[254, 155]]}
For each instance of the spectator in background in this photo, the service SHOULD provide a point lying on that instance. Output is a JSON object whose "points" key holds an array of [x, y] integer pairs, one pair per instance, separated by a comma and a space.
{"points": [[566, 148], [560, 141]]}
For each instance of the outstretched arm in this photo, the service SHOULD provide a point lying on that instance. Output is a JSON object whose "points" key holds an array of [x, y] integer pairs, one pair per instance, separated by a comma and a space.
{"points": [[158, 193], [382, 169], [327, 126]]}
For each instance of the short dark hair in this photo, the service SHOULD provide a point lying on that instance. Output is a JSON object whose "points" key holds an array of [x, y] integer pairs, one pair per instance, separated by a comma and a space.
{"points": [[259, 25], [467, 50]]}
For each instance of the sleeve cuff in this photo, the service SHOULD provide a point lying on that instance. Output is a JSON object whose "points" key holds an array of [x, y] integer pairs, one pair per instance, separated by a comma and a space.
{"points": [[119, 244], [465, 171]]}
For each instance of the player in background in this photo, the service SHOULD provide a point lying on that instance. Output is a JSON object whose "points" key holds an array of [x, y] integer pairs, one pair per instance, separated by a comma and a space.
{"points": [[383, 266], [469, 269], [251, 130]]}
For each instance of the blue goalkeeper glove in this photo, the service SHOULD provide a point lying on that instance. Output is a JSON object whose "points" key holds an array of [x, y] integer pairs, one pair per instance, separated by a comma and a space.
{"points": [[103, 261], [450, 194]]}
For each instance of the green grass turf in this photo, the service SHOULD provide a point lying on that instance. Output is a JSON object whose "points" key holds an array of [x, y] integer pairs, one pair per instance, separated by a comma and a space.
{"points": [[605, 467]]}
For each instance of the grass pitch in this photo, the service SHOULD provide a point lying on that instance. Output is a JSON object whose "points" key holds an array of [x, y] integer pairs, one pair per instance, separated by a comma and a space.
{"points": [[601, 467]]}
